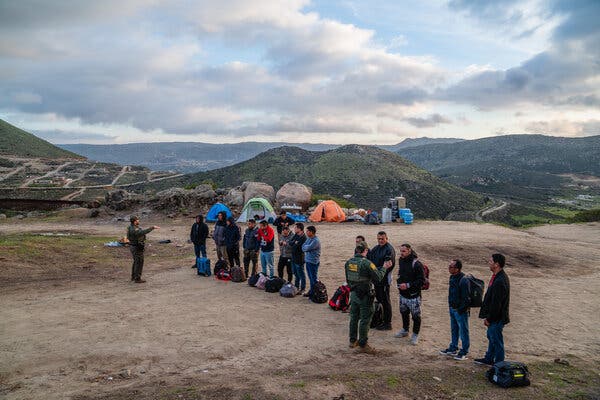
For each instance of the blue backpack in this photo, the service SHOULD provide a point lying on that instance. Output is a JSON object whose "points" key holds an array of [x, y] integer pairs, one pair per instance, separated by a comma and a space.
{"points": [[203, 265]]}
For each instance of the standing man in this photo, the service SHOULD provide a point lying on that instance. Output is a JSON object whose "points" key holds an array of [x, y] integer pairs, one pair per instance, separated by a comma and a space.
{"points": [[285, 254], [458, 302], [137, 244], [266, 238], [219, 235], [494, 310], [232, 242], [251, 246], [312, 255], [198, 236], [282, 221], [410, 280], [379, 255], [360, 238], [360, 273], [296, 243]]}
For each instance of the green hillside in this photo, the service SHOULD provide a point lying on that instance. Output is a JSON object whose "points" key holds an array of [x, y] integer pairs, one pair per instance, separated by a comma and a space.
{"points": [[367, 173], [17, 142]]}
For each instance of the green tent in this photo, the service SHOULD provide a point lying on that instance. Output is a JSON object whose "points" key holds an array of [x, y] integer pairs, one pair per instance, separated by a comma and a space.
{"points": [[257, 206]]}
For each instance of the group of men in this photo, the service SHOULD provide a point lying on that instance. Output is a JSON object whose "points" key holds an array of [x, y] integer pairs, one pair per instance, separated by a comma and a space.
{"points": [[369, 275]]}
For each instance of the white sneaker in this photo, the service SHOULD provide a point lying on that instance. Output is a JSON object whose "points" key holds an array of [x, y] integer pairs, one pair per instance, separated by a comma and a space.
{"points": [[401, 333], [414, 339]]}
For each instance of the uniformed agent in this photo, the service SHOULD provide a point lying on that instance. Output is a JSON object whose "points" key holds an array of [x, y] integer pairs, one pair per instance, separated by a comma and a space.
{"points": [[360, 275], [137, 243]]}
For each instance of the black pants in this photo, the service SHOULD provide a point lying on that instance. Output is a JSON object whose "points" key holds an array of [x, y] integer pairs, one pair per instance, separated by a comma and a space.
{"points": [[138, 263], [382, 294], [284, 262], [233, 254], [250, 255]]}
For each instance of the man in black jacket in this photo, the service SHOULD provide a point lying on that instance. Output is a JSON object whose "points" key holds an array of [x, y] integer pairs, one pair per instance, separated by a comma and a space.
{"points": [[298, 257], [283, 221], [458, 303], [410, 281], [198, 236], [494, 310], [379, 255]]}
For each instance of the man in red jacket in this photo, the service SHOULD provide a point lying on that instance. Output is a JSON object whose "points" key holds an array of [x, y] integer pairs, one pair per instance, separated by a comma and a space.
{"points": [[266, 238]]}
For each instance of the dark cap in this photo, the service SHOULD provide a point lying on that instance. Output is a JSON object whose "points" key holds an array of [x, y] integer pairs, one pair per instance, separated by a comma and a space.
{"points": [[133, 218], [263, 222], [360, 247]]}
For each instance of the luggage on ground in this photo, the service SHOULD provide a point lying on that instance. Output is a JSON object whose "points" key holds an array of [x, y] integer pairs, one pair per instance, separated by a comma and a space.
{"points": [[508, 374], [203, 266], [262, 280], [223, 275], [319, 293], [253, 279], [237, 274], [476, 287], [219, 265], [273, 285], [377, 318], [288, 290], [340, 301]]}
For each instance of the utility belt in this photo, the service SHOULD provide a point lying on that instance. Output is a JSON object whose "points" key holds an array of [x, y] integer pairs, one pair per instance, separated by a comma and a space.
{"points": [[363, 290]]}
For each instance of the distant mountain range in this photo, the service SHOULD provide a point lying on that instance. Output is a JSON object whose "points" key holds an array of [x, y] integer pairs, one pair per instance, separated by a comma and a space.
{"points": [[190, 157], [15, 141], [368, 174]]}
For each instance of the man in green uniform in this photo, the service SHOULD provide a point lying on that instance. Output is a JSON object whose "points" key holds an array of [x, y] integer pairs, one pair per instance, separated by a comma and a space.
{"points": [[360, 273], [137, 242]]}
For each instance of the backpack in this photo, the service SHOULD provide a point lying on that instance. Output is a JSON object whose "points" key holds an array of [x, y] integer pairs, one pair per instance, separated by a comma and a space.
{"points": [[319, 293], [237, 274], [219, 265], [262, 280], [223, 275], [273, 285], [425, 273], [253, 279], [203, 266], [509, 373], [340, 301], [288, 290], [377, 318], [475, 290]]}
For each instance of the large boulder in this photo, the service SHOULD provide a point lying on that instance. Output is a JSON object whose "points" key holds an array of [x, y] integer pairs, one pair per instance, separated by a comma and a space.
{"points": [[234, 198], [294, 193], [258, 189], [182, 200], [121, 199], [203, 194]]}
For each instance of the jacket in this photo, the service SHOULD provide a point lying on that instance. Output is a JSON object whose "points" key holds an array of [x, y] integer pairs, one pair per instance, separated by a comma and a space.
{"points": [[458, 293], [496, 300], [266, 238], [296, 243], [219, 233], [280, 223], [232, 235], [312, 250], [412, 275], [360, 273], [250, 240], [377, 256], [199, 233], [285, 250], [137, 235]]}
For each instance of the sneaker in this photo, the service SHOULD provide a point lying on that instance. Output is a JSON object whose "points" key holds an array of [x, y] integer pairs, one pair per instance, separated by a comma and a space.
{"points": [[353, 344], [401, 333], [460, 357], [483, 361], [448, 352], [366, 349], [414, 339], [384, 327], [194, 266], [140, 281], [306, 294]]}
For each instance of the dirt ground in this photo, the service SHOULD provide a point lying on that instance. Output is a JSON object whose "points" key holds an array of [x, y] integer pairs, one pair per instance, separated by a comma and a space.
{"points": [[73, 326]]}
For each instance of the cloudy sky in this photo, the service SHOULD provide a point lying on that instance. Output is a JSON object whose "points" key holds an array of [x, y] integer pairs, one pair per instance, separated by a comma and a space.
{"points": [[118, 71]]}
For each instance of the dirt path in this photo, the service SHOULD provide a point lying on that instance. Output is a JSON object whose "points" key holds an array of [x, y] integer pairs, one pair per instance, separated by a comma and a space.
{"points": [[51, 173], [67, 338]]}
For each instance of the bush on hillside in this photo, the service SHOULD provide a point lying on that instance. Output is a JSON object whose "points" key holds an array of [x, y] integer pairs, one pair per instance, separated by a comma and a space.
{"points": [[587, 216], [342, 202]]}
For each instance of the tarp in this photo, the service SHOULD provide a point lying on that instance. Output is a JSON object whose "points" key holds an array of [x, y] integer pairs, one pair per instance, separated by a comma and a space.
{"points": [[297, 217], [257, 206], [328, 211], [214, 210]]}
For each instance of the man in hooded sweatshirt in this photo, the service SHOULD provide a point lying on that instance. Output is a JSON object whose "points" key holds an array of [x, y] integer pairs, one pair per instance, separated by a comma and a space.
{"points": [[410, 281], [232, 242], [219, 235], [198, 236], [266, 237]]}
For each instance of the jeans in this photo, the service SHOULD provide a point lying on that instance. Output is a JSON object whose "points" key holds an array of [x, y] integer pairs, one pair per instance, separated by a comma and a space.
{"points": [[312, 270], [200, 249], [459, 327], [267, 259], [495, 351], [300, 281]]}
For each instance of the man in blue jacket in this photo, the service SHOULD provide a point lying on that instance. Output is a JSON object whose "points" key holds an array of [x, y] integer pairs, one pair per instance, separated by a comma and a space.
{"points": [[251, 247], [312, 256], [458, 303]]}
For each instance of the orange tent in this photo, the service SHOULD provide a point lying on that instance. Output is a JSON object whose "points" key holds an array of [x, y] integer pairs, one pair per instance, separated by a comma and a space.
{"points": [[328, 211]]}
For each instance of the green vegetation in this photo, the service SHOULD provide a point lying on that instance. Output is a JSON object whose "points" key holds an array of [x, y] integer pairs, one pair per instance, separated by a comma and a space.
{"points": [[342, 202], [6, 163], [15, 141], [587, 216]]}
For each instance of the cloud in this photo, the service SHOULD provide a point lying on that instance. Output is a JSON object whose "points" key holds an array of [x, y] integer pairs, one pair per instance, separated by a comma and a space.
{"points": [[564, 128], [428, 122], [63, 137]]}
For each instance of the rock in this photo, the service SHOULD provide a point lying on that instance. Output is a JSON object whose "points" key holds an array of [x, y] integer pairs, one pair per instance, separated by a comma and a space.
{"points": [[93, 213], [121, 199], [20, 216], [183, 201], [235, 198], [3, 216], [203, 193], [94, 204], [80, 212], [33, 214], [125, 373], [294, 193], [258, 189]]}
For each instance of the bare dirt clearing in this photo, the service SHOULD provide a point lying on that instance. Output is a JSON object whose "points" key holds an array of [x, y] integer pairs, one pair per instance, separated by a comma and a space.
{"points": [[73, 326]]}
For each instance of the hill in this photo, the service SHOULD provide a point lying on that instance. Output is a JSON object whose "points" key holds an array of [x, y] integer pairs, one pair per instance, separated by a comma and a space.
{"points": [[526, 167], [369, 174], [17, 142]]}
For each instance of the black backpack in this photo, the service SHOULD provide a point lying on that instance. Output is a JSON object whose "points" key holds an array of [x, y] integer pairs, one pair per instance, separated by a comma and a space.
{"points": [[476, 287], [508, 374], [319, 293], [274, 285], [219, 265], [377, 318], [253, 279]]}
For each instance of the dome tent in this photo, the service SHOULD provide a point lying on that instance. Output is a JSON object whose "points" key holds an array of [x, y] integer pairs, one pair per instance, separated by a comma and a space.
{"points": [[211, 216], [328, 211], [257, 206]]}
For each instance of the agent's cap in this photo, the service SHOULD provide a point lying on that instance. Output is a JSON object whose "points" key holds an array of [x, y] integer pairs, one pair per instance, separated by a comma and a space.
{"points": [[360, 247], [133, 218]]}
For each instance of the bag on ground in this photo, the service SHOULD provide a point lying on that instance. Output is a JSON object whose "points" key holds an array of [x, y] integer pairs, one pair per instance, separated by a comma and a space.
{"points": [[237, 274], [476, 287], [274, 284], [219, 265], [203, 266], [508, 374], [253, 279], [377, 318], [223, 275], [340, 301], [288, 290], [262, 280], [319, 293]]}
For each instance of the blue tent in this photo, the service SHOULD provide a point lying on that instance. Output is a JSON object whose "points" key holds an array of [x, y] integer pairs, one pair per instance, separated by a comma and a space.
{"points": [[214, 210]]}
